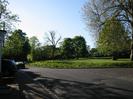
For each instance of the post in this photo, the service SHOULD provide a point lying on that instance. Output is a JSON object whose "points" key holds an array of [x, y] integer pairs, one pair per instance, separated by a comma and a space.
{"points": [[2, 35]]}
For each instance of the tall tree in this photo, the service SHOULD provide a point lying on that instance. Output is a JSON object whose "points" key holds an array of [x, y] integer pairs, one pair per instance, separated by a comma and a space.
{"points": [[35, 44], [67, 48], [6, 16], [17, 46], [113, 38], [80, 47], [96, 12], [51, 38]]}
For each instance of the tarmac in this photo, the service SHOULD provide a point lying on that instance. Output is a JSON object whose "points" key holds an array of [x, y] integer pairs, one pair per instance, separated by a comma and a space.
{"points": [[42, 83]]}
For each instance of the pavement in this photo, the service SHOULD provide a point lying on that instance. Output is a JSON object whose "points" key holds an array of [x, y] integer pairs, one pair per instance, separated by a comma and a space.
{"points": [[43, 83]]}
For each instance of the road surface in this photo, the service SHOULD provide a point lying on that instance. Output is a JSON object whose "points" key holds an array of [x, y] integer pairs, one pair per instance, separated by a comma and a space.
{"points": [[117, 77], [43, 83]]}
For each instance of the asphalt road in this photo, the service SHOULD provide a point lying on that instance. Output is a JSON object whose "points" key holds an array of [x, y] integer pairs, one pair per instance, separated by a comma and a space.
{"points": [[114, 77], [42, 83]]}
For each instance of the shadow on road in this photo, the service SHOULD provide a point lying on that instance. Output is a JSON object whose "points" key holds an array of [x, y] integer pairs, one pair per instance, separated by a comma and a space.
{"points": [[64, 89], [30, 85], [10, 92]]}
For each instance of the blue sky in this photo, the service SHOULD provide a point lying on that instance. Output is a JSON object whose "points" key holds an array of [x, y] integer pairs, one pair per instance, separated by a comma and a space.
{"points": [[41, 16]]}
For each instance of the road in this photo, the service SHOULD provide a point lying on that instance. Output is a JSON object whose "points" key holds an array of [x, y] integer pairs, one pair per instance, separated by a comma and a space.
{"points": [[44, 83], [115, 77]]}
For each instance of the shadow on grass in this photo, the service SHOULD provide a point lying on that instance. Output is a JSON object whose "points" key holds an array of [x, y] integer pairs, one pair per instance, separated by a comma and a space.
{"points": [[51, 88]]}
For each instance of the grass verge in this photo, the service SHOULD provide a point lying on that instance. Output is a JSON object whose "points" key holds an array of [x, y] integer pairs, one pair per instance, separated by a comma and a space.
{"points": [[83, 63]]}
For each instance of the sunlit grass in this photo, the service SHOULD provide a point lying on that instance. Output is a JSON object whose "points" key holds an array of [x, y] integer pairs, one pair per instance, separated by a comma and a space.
{"points": [[83, 63]]}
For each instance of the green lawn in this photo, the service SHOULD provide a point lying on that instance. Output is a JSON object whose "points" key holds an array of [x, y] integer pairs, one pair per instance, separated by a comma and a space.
{"points": [[83, 63]]}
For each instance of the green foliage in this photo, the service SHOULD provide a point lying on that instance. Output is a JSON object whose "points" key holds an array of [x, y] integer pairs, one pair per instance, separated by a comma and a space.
{"points": [[113, 38], [43, 53], [17, 46], [47, 52], [94, 52], [67, 48], [79, 44], [35, 48], [96, 13], [34, 42], [74, 48], [83, 63], [70, 48]]}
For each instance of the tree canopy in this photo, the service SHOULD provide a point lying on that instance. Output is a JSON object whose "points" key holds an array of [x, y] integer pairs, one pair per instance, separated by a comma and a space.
{"points": [[17, 46], [35, 48], [67, 48], [97, 12], [80, 46], [74, 48], [113, 38], [7, 18]]}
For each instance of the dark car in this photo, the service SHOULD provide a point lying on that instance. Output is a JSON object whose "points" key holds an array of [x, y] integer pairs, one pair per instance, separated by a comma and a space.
{"points": [[8, 71], [8, 67], [20, 65]]}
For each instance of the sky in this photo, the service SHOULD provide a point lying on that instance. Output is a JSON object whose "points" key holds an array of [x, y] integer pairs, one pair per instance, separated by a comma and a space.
{"points": [[38, 17]]}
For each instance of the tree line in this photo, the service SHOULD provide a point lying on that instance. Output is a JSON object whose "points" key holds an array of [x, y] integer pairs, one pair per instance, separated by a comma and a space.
{"points": [[111, 20], [18, 47], [112, 42]]}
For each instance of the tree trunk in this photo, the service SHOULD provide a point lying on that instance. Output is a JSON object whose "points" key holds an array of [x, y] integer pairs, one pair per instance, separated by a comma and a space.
{"points": [[131, 54], [53, 52], [114, 56]]}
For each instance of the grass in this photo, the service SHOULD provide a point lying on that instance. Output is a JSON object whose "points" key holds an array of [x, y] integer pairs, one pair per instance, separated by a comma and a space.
{"points": [[83, 63]]}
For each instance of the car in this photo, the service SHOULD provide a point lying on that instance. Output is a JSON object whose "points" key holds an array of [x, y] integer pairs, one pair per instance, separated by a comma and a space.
{"points": [[8, 67], [20, 65], [8, 71]]}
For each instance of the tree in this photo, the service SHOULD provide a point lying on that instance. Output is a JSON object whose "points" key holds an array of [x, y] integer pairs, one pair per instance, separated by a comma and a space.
{"points": [[6, 16], [39, 52], [79, 44], [97, 12], [94, 52], [47, 50], [113, 38], [67, 48], [26, 48], [17, 46], [35, 46], [51, 38], [34, 42], [74, 48]]}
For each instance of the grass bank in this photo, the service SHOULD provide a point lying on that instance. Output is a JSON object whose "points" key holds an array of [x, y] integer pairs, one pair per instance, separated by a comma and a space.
{"points": [[83, 63]]}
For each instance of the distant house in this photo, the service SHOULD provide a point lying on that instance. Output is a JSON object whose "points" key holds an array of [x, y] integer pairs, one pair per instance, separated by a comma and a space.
{"points": [[2, 37]]}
